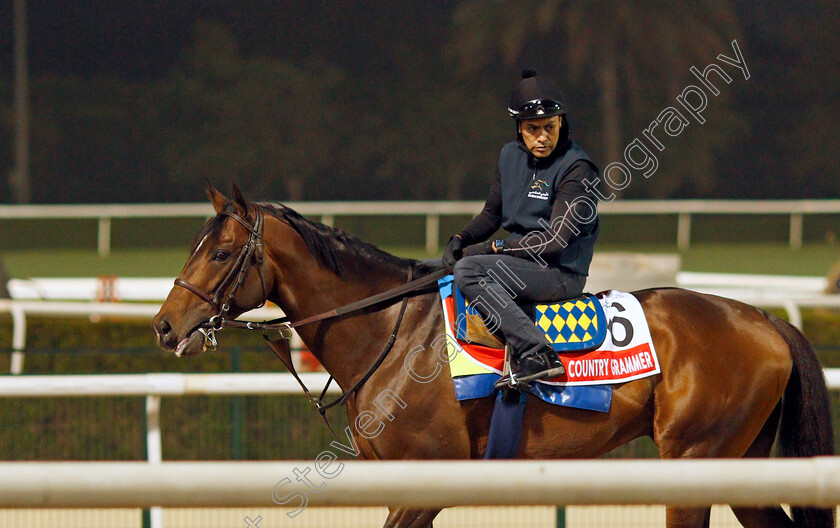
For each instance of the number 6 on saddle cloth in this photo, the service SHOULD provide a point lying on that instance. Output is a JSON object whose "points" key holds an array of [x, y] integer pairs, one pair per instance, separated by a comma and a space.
{"points": [[573, 325]]}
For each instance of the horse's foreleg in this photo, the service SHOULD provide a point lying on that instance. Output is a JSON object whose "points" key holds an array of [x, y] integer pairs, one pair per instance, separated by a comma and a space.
{"points": [[403, 518], [688, 517]]}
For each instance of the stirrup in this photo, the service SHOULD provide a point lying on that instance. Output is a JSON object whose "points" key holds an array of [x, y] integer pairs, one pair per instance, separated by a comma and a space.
{"points": [[545, 374], [509, 381]]}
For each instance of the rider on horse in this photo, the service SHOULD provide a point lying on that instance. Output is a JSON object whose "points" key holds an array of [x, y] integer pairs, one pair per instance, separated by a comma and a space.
{"points": [[539, 195]]}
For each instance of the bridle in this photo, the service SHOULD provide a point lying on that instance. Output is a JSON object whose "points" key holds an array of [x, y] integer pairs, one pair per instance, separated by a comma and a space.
{"points": [[251, 252]]}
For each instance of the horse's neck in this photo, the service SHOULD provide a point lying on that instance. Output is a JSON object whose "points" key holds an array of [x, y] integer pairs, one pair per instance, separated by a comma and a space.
{"points": [[347, 345]]}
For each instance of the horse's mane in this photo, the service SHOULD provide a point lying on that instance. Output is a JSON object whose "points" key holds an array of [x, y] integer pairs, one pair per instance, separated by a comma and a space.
{"points": [[328, 244]]}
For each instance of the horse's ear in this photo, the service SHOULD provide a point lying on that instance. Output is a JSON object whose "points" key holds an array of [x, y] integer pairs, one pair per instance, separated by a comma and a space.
{"points": [[239, 202], [218, 199]]}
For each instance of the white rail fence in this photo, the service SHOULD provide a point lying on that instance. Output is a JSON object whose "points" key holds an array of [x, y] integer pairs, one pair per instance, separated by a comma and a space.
{"points": [[427, 484], [96, 310], [154, 386], [432, 212], [155, 289], [155, 484]]}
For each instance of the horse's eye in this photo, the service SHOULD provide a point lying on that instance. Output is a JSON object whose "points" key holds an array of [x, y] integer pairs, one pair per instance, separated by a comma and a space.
{"points": [[221, 255]]}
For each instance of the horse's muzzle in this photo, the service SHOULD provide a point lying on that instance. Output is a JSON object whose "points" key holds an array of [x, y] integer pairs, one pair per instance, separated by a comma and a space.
{"points": [[164, 334], [168, 339]]}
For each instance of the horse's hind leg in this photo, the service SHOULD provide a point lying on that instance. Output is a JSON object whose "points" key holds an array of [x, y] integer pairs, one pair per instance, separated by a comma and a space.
{"points": [[763, 517], [774, 517], [403, 518], [761, 446], [718, 398]]}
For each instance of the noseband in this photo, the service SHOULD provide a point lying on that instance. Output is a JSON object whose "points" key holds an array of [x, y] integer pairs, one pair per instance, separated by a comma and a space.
{"points": [[251, 252]]}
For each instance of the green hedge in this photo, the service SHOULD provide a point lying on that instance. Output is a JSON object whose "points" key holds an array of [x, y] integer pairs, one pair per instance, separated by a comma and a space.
{"points": [[113, 346], [66, 345]]}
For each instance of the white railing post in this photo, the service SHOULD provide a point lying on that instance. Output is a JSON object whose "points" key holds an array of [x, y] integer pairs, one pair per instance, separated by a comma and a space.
{"points": [[432, 233], [328, 220], [103, 236], [154, 448], [18, 339], [683, 231], [296, 348], [793, 313], [796, 230]]}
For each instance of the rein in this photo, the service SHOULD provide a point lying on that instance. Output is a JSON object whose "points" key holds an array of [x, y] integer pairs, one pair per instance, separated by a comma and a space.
{"points": [[252, 251], [281, 349]]}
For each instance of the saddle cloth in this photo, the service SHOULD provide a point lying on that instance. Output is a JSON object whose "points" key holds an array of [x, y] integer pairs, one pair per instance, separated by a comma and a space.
{"points": [[626, 353]]}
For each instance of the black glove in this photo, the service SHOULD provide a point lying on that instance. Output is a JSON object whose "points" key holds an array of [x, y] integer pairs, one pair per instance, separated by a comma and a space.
{"points": [[485, 248], [453, 251]]}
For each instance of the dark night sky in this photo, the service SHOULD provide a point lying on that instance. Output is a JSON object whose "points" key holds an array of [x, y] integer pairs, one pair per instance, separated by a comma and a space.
{"points": [[793, 66], [141, 40]]}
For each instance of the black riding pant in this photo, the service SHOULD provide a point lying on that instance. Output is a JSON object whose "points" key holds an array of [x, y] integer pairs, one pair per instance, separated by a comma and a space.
{"points": [[495, 283]]}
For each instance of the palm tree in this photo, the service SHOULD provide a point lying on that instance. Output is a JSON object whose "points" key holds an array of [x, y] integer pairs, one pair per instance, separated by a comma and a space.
{"points": [[629, 50], [271, 125], [814, 132], [6, 131]]}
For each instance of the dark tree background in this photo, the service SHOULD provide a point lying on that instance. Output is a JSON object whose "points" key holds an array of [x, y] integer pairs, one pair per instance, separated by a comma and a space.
{"points": [[143, 101]]}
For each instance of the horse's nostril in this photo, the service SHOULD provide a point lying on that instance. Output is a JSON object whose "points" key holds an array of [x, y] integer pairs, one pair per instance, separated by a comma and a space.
{"points": [[165, 327]]}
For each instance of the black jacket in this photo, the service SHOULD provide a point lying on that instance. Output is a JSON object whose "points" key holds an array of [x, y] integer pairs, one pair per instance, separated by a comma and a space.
{"points": [[532, 199]]}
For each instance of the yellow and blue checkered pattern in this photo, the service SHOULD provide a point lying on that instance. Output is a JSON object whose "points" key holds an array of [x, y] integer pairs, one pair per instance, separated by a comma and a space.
{"points": [[576, 324], [573, 325]]}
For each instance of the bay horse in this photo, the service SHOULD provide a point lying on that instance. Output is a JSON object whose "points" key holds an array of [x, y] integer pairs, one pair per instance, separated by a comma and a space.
{"points": [[731, 376]]}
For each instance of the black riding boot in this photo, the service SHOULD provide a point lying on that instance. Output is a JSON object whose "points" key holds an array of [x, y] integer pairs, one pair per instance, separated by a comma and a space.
{"points": [[542, 365]]}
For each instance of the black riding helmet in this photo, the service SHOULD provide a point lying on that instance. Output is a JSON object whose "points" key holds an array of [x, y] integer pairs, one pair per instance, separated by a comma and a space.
{"points": [[536, 97]]}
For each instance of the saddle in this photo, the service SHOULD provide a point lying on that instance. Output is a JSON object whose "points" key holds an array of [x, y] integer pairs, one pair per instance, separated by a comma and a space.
{"points": [[570, 325]]}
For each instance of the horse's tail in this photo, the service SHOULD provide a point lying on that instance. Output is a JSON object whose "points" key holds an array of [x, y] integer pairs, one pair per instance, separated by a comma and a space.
{"points": [[806, 428]]}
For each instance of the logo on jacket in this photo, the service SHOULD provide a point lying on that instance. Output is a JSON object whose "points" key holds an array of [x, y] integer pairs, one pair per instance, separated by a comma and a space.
{"points": [[538, 190]]}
